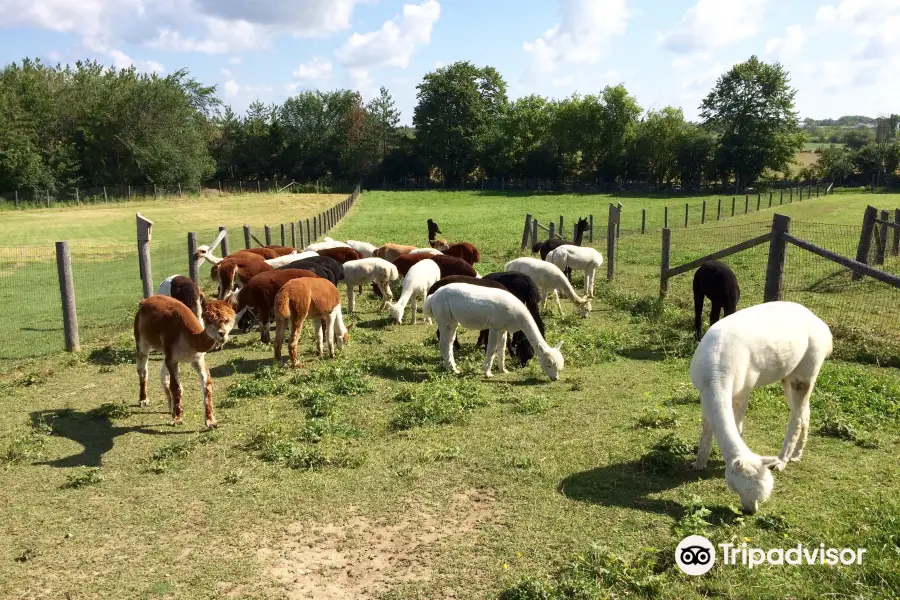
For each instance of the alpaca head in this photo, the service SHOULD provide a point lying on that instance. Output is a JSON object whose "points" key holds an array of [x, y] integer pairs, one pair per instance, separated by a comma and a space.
{"points": [[750, 477], [219, 318], [551, 360], [524, 351], [433, 229], [396, 312], [441, 245], [584, 309]]}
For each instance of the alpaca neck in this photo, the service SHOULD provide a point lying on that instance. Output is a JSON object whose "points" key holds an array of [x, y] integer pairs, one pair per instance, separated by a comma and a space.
{"points": [[721, 418], [201, 342], [579, 236], [570, 293], [214, 260], [531, 331]]}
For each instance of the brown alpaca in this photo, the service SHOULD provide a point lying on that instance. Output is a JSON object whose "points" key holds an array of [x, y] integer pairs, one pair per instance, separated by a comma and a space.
{"points": [[265, 253], [259, 293], [463, 250], [163, 323], [451, 265], [300, 299], [390, 252], [280, 250], [242, 266], [341, 255]]}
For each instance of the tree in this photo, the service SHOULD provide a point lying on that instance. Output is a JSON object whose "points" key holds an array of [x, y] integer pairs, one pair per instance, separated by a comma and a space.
{"points": [[857, 138], [751, 107], [385, 118], [656, 146], [834, 164], [458, 116]]}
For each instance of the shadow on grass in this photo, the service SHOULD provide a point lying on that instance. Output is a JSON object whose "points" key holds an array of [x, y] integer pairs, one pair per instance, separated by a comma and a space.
{"points": [[399, 372], [95, 435], [628, 484], [242, 366], [381, 323], [109, 356], [642, 353]]}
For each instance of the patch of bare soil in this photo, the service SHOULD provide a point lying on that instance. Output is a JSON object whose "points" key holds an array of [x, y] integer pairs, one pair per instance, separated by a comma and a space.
{"points": [[360, 558]]}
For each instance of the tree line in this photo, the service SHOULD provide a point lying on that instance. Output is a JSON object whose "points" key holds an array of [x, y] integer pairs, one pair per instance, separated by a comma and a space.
{"points": [[89, 125]]}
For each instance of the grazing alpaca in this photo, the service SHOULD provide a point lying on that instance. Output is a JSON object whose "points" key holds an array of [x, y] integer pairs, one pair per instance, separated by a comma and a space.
{"points": [[390, 252], [549, 277], [185, 291], [525, 289], [548, 246], [463, 250], [258, 295], [420, 277], [242, 266], [325, 245], [714, 280], [476, 307], [517, 344], [754, 347], [426, 251], [300, 299], [451, 265], [568, 257], [165, 324], [323, 266], [365, 249], [341, 255], [405, 262], [368, 270], [281, 250], [433, 230]]}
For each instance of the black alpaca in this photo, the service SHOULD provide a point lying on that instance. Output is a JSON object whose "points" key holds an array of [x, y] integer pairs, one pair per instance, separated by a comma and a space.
{"points": [[323, 266], [548, 246], [714, 280]]}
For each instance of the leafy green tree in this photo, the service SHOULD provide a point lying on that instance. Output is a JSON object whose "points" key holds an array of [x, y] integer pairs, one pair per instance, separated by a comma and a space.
{"points": [[855, 139], [751, 107], [384, 120], [457, 117], [835, 164], [656, 146]]}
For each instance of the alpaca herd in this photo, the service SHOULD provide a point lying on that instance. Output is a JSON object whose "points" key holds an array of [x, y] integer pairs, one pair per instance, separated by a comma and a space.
{"points": [[749, 348]]}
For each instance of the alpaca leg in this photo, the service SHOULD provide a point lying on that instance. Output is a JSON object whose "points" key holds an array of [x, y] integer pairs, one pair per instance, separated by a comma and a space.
{"points": [[329, 333], [280, 324], [493, 338], [164, 381], [143, 357], [798, 393], [558, 303], [448, 335], [175, 389], [698, 313], [797, 454], [297, 327], [318, 324], [351, 299], [206, 386], [739, 406], [415, 308], [264, 326], [715, 311], [705, 446], [501, 351]]}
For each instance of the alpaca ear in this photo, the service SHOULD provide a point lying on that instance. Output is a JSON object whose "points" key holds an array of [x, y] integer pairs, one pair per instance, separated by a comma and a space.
{"points": [[741, 466], [558, 346]]}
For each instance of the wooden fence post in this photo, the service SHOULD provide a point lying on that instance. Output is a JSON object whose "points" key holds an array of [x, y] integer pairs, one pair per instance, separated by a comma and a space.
{"points": [[781, 198], [865, 238], [193, 267], [703, 214], [895, 250], [67, 296], [665, 217], [283, 240], [17, 199], [791, 198], [770, 198], [144, 234], [309, 237], [612, 226], [746, 203], [268, 231], [315, 234], [758, 200], [562, 228], [591, 228], [719, 210], [241, 185], [105, 197], [781, 224], [527, 232], [882, 239], [247, 237], [664, 263], [224, 241], [552, 229], [618, 219], [643, 221], [77, 197], [302, 243], [293, 235], [686, 214], [48, 198], [733, 200]]}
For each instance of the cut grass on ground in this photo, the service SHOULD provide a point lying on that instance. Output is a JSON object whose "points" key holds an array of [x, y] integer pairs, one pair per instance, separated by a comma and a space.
{"points": [[378, 475]]}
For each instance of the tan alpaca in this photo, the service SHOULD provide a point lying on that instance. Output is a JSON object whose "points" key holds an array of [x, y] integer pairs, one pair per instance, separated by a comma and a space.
{"points": [[300, 299], [390, 252], [163, 323]]}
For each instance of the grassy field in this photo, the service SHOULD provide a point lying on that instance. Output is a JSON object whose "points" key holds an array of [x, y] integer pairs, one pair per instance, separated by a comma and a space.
{"points": [[377, 475], [103, 245]]}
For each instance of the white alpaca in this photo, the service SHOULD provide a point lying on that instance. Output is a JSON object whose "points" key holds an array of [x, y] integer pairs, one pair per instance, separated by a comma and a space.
{"points": [[580, 258], [365, 249], [754, 347], [369, 270], [428, 251], [420, 277], [549, 278], [325, 245], [476, 307]]}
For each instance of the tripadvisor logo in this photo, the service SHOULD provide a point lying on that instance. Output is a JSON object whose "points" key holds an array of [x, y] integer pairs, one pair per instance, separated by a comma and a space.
{"points": [[696, 555]]}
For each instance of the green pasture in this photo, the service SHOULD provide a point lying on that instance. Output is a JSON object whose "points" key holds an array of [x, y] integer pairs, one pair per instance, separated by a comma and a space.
{"points": [[378, 475]]}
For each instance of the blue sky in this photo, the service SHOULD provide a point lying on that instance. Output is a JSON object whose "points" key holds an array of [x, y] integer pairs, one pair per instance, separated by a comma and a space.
{"points": [[843, 55]]}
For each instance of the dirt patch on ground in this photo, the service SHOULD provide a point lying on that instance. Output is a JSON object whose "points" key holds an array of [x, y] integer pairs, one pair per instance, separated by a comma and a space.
{"points": [[360, 558]]}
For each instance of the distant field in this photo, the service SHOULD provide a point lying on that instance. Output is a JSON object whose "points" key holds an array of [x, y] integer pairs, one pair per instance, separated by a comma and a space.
{"points": [[813, 146], [377, 476]]}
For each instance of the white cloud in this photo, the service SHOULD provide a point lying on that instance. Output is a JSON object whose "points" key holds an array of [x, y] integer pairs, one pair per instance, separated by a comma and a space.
{"points": [[705, 80], [711, 24], [581, 37], [206, 26], [438, 64], [789, 46], [232, 89], [317, 69], [234, 60], [120, 60], [690, 61], [362, 82], [394, 44]]}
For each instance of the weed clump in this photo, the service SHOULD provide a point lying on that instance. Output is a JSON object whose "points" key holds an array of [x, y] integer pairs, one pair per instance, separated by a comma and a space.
{"points": [[439, 401], [84, 477]]}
